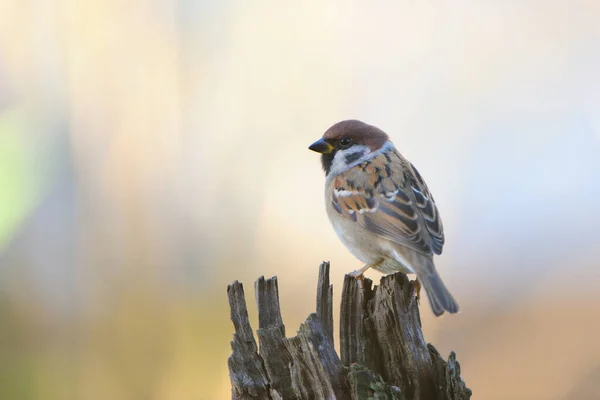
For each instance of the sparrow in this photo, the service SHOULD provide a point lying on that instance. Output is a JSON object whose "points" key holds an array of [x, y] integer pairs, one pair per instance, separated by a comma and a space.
{"points": [[381, 208]]}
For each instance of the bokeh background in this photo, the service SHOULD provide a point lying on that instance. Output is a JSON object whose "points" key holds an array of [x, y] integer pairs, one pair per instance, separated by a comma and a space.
{"points": [[151, 152]]}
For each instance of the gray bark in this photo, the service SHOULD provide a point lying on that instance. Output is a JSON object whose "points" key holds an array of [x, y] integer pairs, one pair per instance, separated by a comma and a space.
{"points": [[383, 352]]}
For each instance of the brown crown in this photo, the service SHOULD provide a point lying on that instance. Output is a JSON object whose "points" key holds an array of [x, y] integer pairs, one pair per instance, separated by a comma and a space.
{"points": [[359, 132]]}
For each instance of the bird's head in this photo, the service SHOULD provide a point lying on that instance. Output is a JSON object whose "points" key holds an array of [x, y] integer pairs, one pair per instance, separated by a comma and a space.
{"points": [[348, 143]]}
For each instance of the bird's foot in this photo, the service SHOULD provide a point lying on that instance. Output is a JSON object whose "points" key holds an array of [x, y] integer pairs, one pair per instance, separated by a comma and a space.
{"points": [[359, 274], [360, 277]]}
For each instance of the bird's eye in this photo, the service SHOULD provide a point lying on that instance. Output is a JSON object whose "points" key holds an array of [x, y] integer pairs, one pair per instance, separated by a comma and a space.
{"points": [[345, 142]]}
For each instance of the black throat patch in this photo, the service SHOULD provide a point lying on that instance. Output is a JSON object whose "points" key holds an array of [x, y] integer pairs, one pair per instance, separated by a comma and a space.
{"points": [[352, 157], [326, 161]]}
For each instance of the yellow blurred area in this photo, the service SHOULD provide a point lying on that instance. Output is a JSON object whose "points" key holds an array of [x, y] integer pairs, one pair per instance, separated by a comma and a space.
{"points": [[153, 152]]}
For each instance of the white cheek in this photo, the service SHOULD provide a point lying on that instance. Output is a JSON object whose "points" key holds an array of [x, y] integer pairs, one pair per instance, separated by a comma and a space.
{"points": [[340, 162]]}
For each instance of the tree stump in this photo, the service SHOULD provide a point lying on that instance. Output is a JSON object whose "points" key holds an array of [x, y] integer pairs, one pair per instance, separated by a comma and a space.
{"points": [[383, 352]]}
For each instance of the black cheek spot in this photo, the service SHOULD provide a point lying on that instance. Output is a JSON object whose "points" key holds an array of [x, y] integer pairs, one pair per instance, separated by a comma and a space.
{"points": [[350, 158]]}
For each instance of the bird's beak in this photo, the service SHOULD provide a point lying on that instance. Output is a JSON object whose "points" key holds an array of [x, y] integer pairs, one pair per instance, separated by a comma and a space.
{"points": [[321, 146]]}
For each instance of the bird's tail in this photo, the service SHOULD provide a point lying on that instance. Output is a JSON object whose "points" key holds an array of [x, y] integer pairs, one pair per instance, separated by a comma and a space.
{"points": [[439, 297]]}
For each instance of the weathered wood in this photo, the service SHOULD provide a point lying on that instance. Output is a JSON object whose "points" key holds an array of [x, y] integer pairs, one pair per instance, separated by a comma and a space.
{"points": [[383, 352], [317, 371], [365, 384], [387, 337], [325, 300], [248, 376], [271, 338], [447, 377]]}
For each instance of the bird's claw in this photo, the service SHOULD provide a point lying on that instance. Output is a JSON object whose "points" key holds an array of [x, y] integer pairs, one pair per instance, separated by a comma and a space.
{"points": [[418, 291], [360, 278]]}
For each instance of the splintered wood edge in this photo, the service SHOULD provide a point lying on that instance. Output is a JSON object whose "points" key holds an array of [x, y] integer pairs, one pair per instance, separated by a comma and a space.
{"points": [[239, 312], [321, 374], [246, 370], [447, 376], [266, 292], [325, 300]]}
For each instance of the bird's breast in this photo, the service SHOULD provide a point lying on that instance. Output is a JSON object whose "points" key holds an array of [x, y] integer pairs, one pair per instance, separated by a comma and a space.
{"points": [[363, 244]]}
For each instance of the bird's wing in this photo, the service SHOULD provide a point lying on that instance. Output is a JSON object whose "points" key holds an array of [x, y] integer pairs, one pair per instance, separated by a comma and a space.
{"points": [[388, 196]]}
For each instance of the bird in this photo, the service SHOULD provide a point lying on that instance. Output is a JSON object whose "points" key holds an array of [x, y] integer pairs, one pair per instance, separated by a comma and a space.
{"points": [[381, 208]]}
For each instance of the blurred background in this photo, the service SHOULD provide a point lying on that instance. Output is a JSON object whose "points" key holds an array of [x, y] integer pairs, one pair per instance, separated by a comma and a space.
{"points": [[151, 152]]}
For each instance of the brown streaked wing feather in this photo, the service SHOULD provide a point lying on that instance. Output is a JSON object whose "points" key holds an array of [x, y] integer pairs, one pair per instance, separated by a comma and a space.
{"points": [[387, 196], [427, 208]]}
